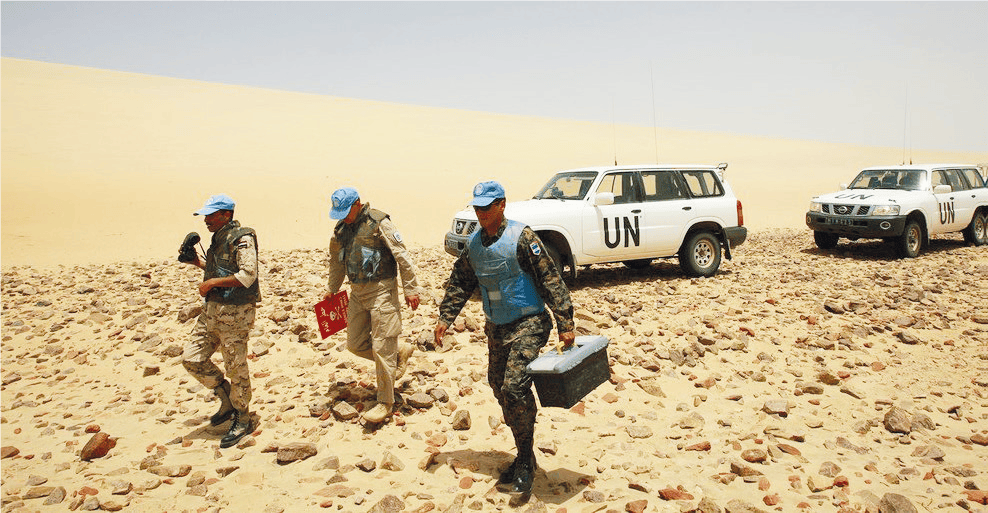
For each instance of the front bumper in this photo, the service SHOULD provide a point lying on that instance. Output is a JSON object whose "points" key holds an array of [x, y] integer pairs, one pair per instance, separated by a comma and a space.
{"points": [[860, 227]]}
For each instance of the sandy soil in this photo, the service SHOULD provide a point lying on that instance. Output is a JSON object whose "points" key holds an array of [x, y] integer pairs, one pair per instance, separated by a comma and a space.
{"points": [[794, 380]]}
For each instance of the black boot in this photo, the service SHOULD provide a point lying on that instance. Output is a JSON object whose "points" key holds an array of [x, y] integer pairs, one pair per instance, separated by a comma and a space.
{"points": [[524, 474], [508, 474], [239, 429], [226, 407]]}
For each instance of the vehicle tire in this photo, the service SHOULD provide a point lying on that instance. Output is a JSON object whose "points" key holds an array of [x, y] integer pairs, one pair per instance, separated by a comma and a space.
{"points": [[642, 263], [911, 240], [825, 240], [977, 232], [554, 254], [700, 255]]}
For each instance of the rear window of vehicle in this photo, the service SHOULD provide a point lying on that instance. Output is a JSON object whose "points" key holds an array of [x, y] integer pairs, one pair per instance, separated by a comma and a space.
{"points": [[703, 183], [662, 185], [973, 178], [948, 177]]}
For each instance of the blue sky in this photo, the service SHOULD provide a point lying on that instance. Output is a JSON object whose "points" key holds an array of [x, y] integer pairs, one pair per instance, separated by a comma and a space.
{"points": [[870, 73]]}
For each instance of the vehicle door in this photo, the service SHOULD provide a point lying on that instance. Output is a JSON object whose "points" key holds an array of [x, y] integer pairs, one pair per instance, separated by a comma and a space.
{"points": [[666, 211], [952, 207], [614, 231], [975, 194]]}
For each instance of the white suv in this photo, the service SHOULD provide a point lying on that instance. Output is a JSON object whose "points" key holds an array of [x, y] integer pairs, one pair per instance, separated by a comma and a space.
{"points": [[905, 205], [629, 214]]}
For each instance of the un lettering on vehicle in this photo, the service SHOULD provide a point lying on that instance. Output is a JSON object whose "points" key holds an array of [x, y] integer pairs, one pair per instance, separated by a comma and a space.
{"points": [[853, 196], [632, 232], [947, 215]]}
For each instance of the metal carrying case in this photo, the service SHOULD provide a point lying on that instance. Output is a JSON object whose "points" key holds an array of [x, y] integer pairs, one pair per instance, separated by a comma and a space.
{"points": [[561, 380]]}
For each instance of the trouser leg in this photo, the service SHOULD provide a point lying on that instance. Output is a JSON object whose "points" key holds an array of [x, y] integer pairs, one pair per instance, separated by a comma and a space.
{"points": [[373, 334], [197, 352], [233, 344], [511, 348]]}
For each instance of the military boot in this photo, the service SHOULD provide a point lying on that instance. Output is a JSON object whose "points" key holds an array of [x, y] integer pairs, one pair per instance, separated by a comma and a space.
{"points": [[239, 429], [378, 413], [508, 474], [226, 407], [524, 475]]}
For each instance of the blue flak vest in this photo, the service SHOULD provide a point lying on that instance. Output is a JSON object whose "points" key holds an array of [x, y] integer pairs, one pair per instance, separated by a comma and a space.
{"points": [[508, 292]]}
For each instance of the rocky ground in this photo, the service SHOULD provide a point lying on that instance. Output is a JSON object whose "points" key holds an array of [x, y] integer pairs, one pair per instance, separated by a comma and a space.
{"points": [[794, 380]]}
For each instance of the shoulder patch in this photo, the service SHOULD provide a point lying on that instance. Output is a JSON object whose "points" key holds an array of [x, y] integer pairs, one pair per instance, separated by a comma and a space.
{"points": [[398, 238], [536, 249]]}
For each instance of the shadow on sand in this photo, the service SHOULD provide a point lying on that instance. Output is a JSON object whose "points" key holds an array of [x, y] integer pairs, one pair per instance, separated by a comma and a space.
{"points": [[551, 486]]}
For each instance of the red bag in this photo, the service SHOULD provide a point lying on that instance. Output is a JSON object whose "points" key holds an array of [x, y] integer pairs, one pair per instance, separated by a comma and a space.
{"points": [[331, 313]]}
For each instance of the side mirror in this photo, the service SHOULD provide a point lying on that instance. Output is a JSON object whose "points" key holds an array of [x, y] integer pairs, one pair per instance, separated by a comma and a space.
{"points": [[843, 186], [943, 189], [604, 198]]}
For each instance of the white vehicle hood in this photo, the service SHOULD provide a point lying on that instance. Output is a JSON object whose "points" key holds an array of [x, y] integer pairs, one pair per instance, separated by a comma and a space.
{"points": [[867, 197]]}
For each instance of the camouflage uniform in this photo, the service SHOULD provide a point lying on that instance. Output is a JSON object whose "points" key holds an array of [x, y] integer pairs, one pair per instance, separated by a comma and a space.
{"points": [[228, 316], [370, 253], [512, 346]]}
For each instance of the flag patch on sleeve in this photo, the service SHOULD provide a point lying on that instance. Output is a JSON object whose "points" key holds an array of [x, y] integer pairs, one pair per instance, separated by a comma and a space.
{"points": [[536, 250], [398, 237]]}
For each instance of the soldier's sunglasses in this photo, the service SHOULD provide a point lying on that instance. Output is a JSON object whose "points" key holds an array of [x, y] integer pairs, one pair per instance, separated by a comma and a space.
{"points": [[488, 207]]}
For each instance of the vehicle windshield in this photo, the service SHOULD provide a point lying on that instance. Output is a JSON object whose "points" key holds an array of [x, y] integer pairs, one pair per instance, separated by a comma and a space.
{"points": [[903, 179], [570, 186]]}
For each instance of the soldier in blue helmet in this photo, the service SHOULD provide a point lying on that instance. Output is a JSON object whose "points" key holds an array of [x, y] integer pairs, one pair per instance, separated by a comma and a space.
{"points": [[517, 278], [367, 249], [232, 290]]}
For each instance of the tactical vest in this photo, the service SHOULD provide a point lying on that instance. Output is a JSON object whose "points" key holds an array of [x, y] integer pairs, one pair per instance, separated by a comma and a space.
{"points": [[364, 254], [508, 292], [221, 261]]}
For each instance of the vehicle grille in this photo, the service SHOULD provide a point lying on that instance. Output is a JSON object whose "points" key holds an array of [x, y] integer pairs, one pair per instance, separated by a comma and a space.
{"points": [[465, 227], [846, 210]]}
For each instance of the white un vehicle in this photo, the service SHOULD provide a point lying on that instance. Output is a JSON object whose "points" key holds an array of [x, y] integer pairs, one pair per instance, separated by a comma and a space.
{"points": [[629, 214], [905, 205]]}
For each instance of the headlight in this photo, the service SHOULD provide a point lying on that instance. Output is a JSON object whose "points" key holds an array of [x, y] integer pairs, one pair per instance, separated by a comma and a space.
{"points": [[886, 210], [816, 206]]}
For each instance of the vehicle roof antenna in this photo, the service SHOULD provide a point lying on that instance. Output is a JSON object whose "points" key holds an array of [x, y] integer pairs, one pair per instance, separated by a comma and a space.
{"points": [[655, 132], [614, 129], [905, 128]]}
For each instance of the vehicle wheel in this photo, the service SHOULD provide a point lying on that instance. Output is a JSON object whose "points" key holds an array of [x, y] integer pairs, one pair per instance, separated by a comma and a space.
{"points": [[977, 232], [911, 240], [700, 256], [825, 240], [554, 254], [639, 264]]}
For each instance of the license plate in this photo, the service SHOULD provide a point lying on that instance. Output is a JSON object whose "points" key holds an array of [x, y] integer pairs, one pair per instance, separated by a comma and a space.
{"points": [[845, 222], [452, 244]]}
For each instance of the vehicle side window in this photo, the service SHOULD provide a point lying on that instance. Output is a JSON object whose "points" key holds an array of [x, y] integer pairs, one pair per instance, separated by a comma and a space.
{"points": [[623, 186], [939, 178], [661, 185], [703, 183], [955, 180], [973, 178]]}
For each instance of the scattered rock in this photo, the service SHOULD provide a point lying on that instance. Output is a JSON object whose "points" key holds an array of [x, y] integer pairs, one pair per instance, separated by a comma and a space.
{"points": [[295, 451], [97, 446]]}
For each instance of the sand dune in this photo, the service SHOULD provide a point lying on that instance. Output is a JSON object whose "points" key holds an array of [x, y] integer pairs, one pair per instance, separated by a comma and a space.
{"points": [[103, 166]]}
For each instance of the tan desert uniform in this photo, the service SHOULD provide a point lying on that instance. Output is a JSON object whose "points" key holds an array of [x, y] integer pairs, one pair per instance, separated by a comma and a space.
{"points": [[374, 312], [226, 327]]}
